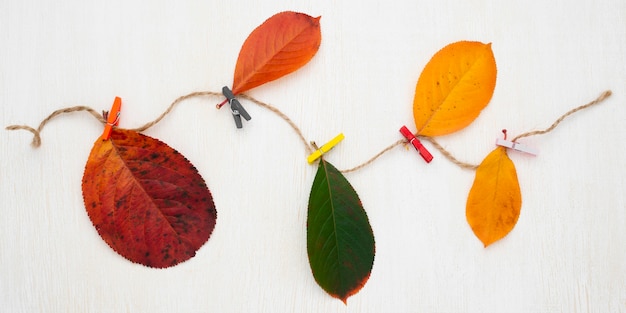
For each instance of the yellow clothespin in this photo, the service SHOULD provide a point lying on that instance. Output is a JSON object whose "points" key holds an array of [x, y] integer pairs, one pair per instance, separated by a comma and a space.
{"points": [[325, 148]]}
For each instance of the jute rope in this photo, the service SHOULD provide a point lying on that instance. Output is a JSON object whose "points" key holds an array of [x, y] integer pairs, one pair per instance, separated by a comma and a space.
{"points": [[309, 147], [37, 132], [599, 99], [173, 104]]}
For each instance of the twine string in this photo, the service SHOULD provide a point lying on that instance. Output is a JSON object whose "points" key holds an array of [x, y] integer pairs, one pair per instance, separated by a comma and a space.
{"points": [[556, 123], [310, 148], [376, 156], [448, 155], [36, 142], [173, 104], [464, 165], [37, 132]]}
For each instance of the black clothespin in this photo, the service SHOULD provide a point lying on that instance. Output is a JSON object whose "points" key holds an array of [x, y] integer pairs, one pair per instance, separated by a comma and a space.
{"points": [[235, 107]]}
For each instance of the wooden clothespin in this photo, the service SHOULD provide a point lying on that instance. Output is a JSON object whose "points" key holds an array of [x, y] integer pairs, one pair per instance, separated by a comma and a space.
{"points": [[112, 117], [417, 144], [325, 148], [235, 107], [515, 145]]}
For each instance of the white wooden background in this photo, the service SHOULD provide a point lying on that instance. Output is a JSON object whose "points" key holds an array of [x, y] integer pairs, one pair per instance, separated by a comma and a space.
{"points": [[566, 254]]}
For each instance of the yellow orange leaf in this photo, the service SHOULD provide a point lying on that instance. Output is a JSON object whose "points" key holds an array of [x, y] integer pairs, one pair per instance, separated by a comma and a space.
{"points": [[495, 200], [456, 84]]}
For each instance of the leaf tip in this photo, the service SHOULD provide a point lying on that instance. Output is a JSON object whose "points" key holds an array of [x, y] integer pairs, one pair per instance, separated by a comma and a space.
{"points": [[486, 241], [489, 241]]}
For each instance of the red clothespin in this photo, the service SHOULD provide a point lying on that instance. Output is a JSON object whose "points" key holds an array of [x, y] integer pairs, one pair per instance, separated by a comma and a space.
{"points": [[417, 144], [112, 117]]}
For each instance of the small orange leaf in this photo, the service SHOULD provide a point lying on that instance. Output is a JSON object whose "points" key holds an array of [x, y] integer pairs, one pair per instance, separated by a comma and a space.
{"points": [[279, 46], [495, 200], [456, 84]]}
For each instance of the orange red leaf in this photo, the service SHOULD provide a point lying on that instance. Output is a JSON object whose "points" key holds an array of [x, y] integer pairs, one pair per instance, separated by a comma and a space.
{"points": [[456, 84], [146, 200], [279, 46], [495, 200]]}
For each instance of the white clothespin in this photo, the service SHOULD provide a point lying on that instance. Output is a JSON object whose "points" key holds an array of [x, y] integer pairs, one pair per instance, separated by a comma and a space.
{"points": [[516, 145]]}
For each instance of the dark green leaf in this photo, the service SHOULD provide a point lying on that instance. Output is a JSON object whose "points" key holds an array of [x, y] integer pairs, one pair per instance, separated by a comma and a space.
{"points": [[340, 241]]}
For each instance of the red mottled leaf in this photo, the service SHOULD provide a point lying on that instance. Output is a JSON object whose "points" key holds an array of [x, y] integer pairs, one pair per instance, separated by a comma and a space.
{"points": [[146, 200], [340, 241], [279, 46]]}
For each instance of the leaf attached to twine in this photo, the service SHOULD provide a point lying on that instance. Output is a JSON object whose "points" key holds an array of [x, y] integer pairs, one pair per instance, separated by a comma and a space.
{"points": [[495, 200], [146, 200], [456, 84], [282, 44], [340, 241]]}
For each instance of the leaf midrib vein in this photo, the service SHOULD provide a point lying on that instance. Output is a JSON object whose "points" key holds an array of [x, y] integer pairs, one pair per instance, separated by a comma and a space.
{"points": [[446, 96], [268, 56], [136, 183], [332, 207]]}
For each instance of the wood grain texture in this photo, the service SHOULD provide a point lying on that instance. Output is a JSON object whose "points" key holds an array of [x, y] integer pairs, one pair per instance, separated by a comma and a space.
{"points": [[566, 253]]}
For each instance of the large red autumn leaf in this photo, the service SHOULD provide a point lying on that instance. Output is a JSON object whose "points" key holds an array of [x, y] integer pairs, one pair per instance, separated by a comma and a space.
{"points": [[279, 46], [146, 200]]}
